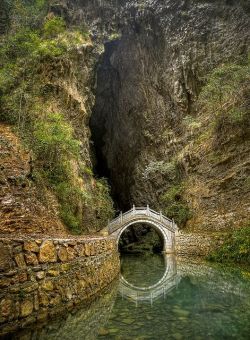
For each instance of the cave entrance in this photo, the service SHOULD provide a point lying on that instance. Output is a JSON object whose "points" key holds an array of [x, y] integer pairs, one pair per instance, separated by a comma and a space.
{"points": [[102, 120], [141, 238]]}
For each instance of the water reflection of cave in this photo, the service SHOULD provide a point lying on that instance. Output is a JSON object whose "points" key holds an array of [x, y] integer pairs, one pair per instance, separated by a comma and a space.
{"points": [[140, 238]]}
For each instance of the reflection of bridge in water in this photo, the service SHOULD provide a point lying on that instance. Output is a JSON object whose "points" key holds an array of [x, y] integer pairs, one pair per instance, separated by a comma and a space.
{"points": [[166, 284]]}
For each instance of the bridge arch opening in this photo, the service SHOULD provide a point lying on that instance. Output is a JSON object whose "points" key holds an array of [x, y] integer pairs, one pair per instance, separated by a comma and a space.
{"points": [[141, 237]]}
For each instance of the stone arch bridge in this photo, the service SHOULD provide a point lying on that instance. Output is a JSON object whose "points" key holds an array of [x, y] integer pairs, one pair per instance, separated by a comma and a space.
{"points": [[165, 226]]}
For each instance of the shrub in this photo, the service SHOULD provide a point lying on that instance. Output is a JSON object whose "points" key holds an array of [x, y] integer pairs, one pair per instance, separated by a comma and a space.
{"points": [[225, 97], [174, 205], [71, 199], [27, 13], [160, 167], [53, 27], [236, 247], [26, 103], [53, 140]]}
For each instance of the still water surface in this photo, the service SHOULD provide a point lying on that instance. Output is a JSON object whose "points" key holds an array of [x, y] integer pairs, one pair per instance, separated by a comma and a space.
{"points": [[160, 298]]}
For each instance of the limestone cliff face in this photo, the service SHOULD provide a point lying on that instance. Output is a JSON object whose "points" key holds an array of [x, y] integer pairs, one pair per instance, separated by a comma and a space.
{"points": [[53, 121], [134, 90], [23, 210], [148, 85]]}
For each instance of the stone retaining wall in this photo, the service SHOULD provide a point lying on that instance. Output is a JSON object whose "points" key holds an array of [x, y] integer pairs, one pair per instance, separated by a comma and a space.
{"points": [[40, 278], [197, 244]]}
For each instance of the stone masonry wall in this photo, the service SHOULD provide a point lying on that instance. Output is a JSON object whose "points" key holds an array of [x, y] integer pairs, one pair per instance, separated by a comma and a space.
{"points": [[197, 244], [40, 278]]}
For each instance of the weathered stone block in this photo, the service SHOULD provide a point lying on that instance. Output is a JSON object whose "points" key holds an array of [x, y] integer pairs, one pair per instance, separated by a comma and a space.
{"points": [[92, 249], [43, 299], [63, 254], [36, 302], [31, 258], [22, 276], [56, 300], [29, 287], [65, 267], [40, 275], [42, 315], [71, 253], [19, 258], [11, 273], [53, 272], [47, 252], [87, 249], [5, 258], [4, 282], [26, 308], [18, 249], [48, 285], [31, 246], [6, 308], [68, 293], [80, 250]]}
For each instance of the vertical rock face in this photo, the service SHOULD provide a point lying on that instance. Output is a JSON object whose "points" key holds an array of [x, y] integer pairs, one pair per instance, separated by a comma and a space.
{"points": [[148, 84], [21, 208], [138, 79]]}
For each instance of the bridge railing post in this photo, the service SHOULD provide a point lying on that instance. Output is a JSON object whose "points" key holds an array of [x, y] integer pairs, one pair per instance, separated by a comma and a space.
{"points": [[121, 217], [161, 216], [148, 211], [133, 208]]}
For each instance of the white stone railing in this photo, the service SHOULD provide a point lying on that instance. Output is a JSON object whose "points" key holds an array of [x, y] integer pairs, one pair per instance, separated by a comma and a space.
{"points": [[141, 212], [149, 294]]}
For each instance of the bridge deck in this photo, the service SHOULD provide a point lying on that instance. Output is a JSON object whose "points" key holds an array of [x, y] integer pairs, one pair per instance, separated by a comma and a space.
{"points": [[141, 213]]}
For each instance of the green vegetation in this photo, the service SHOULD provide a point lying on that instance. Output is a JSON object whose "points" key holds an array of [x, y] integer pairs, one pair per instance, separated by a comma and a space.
{"points": [[236, 247], [35, 43], [115, 36], [160, 167], [53, 27], [175, 206], [225, 98]]}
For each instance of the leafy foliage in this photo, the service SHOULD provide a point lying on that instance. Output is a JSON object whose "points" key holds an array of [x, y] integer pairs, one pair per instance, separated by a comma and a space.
{"points": [[236, 247], [27, 13], [54, 26], [35, 43], [160, 167], [54, 139], [175, 205], [225, 97]]}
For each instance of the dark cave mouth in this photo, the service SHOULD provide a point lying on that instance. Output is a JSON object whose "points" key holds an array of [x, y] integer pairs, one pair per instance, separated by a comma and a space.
{"points": [[102, 122]]}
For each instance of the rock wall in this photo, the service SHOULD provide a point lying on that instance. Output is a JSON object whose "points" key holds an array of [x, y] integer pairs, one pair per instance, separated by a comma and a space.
{"points": [[197, 244], [21, 208], [40, 278], [147, 121], [82, 322]]}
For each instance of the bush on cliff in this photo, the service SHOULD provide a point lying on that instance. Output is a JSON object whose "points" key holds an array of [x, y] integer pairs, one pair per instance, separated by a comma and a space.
{"points": [[29, 54], [175, 206], [225, 98], [236, 247]]}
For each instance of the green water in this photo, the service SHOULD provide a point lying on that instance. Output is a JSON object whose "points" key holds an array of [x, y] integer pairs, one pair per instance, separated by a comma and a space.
{"points": [[206, 303], [160, 298]]}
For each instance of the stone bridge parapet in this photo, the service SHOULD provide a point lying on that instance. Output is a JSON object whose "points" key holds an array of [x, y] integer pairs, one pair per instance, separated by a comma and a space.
{"points": [[165, 226]]}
